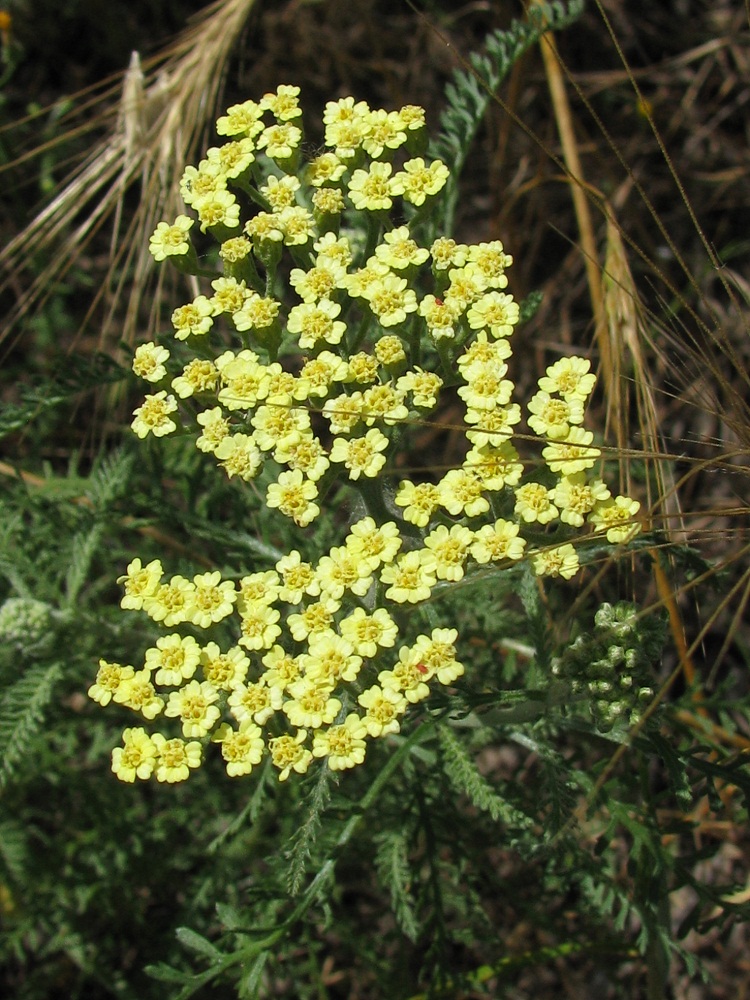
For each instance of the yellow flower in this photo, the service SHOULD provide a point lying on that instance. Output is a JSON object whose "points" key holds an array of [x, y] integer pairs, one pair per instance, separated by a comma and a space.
{"points": [[315, 619], [559, 561], [495, 467], [385, 130], [408, 677], [239, 455], [171, 240], [391, 300], [446, 253], [552, 418], [136, 758], [235, 249], [411, 581], [211, 599], [343, 570], [257, 313], [152, 416], [175, 758], [486, 389], [241, 749], [282, 669], [294, 496], [384, 706], [311, 704], [140, 582], [193, 319], [316, 322], [198, 376], [241, 119], [417, 181], [175, 659], [575, 496], [419, 500], [288, 754], [194, 706], [169, 602], [389, 351], [280, 140], [258, 624], [424, 387], [375, 544], [215, 428], [399, 250], [570, 377], [137, 692], [492, 261], [572, 454], [446, 550], [344, 745], [218, 209], [229, 295], [325, 169], [331, 659], [494, 311], [262, 587], [615, 515], [371, 190], [109, 678], [298, 578], [437, 652], [148, 362], [460, 492], [368, 632], [232, 159], [361, 455], [497, 541], [224, 670], [283, 103], [254, 702], [534, 503]]}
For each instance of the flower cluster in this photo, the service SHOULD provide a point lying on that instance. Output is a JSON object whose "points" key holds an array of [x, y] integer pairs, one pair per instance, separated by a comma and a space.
{"points": [[327, 330]]}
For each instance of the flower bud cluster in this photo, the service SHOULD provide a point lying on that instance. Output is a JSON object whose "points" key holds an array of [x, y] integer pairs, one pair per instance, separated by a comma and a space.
{"points": [[612, 667]]}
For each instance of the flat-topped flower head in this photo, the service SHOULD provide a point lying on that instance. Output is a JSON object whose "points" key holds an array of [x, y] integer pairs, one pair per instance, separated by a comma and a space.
{"points": [[315, 347]]}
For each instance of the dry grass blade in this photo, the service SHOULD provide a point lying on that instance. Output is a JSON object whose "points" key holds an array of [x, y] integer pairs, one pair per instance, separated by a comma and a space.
{"points": [[153, 131]]}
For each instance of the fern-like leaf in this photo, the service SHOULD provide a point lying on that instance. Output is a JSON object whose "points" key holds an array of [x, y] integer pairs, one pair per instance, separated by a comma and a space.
{"points": [[394, 871], [463, 775], [75, 375], [22, 714]]}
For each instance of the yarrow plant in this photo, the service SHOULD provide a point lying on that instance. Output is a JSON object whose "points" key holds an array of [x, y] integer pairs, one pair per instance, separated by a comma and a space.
{"points": [[325, 330]]}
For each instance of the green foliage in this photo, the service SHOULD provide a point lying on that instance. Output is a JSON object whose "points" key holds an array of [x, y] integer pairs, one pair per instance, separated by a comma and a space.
{"points": [[74, 375]]}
